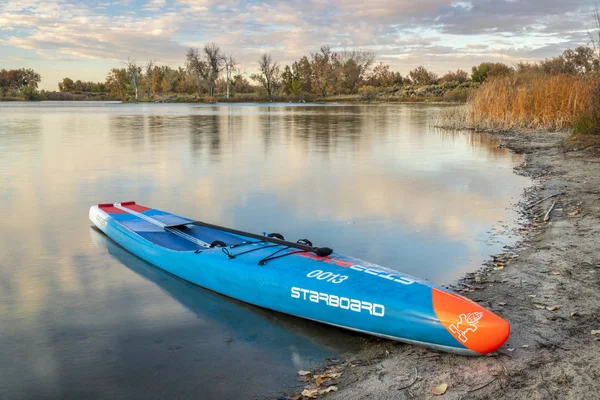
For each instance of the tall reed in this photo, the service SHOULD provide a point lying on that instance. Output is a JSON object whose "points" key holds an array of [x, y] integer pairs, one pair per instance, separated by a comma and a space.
{"points": [[533, 100]]}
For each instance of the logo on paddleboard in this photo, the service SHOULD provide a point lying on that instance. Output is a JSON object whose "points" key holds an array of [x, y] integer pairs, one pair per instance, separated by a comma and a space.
{"points": [[101, 221], [467, 323]]}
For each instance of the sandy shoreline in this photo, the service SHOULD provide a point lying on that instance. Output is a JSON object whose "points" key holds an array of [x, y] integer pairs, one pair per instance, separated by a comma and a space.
{"points": [[548, 288]]}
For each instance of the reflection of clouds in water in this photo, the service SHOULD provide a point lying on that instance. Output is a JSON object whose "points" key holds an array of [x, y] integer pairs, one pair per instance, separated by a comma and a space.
{"points": [[344, 163], [308, 169]]}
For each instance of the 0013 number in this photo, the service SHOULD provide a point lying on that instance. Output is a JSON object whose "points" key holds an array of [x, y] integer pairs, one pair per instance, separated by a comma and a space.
{"points": [[327, 276]]}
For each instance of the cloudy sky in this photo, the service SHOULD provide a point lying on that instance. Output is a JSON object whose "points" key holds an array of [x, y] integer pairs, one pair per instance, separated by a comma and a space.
{"points": [[84, 39]]}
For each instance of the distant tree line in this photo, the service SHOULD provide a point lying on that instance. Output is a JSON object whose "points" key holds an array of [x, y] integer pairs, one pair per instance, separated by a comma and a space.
{"points": [[211, 73]]}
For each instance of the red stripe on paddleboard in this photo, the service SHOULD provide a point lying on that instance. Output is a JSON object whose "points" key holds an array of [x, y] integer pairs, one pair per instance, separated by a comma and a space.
{"points": [[110, 209], [134, 207]]}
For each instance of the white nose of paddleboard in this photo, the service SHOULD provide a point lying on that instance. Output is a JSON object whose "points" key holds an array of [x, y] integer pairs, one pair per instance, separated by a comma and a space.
{"points": [[98, 217]]}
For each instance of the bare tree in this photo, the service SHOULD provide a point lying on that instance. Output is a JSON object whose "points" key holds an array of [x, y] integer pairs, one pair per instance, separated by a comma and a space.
{"points": [[230, 68], [149, 68], [215, 61], [134, 72], [595, 36], [269, 74], [196, 66]]}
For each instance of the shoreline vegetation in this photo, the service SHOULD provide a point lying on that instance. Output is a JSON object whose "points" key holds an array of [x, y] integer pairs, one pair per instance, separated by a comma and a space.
{"points": [[209, 75]]}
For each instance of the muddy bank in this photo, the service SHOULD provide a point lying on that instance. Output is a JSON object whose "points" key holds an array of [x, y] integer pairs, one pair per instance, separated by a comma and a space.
{"points": [[548, 288]]}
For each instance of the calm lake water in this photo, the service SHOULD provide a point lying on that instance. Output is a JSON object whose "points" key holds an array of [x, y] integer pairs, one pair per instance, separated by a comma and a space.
{"points": [[82, 318]]}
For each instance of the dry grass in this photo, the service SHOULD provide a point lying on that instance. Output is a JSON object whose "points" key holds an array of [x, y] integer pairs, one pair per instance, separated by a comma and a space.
{"points": [[530, 101], [534, 101], [455, 117]]}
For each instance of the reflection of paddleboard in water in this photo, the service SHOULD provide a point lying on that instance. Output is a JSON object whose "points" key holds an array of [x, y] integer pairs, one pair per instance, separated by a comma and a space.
{"points": [[305, 340], [302, 280]]}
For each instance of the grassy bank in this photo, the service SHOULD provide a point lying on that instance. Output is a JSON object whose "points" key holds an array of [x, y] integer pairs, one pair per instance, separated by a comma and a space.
{"points": [[532, 101]]}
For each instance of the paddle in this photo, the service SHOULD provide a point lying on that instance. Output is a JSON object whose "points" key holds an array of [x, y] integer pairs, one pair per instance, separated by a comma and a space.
{"points": [[320, 251]]}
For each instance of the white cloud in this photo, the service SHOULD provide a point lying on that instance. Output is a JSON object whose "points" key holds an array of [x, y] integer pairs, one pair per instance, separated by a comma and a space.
{"points": [[154, 5], [442, 34]]}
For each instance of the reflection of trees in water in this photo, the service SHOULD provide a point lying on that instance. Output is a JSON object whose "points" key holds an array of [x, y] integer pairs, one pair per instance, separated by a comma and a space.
{"points": [[478, 142], [18, 133], [205, 131], [127, 129], [320, 129], [311, 128], [157, 125]]}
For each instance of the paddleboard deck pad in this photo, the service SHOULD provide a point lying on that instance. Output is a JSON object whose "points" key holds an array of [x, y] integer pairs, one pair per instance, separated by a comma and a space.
{"points": [[298, 279]]}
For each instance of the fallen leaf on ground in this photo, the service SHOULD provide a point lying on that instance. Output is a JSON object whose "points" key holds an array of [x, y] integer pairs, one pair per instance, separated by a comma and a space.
{"points": [[553, 308], [329, 389], [439, 390], [320, 379], [304, 373], [335, 375], [540, 306], [555, 273], [595, 332], [574, 213], [310, 393]]}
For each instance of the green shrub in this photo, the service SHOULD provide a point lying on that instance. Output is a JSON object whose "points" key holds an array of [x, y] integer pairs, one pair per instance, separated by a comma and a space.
{"points": [[30, 92], [368, 92], [587, 124]]}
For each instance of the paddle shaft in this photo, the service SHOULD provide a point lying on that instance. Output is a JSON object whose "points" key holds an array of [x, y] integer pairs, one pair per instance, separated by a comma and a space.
{"points": [[320, 251]]}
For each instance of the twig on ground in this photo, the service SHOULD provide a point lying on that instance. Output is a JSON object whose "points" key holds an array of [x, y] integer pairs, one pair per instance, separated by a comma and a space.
{"points": [[413, 381], [503, 367], [543, 200], [486, 385], [547, 216]]}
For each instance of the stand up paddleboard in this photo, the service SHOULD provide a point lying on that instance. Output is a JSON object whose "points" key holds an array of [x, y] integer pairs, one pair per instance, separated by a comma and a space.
{"points": [[300, 279]]}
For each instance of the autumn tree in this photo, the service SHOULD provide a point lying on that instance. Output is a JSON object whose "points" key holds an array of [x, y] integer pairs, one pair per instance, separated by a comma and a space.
{"points": [[321, 71], [241, 85], [459, 76], [382, 76], [269, 74], [353, 68], [148, 70], [421, 76], [23, 80], [66, 85], [4, 82], [304, 71], [116, 83], [197, 67], [487, 70], [581, 60]]}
